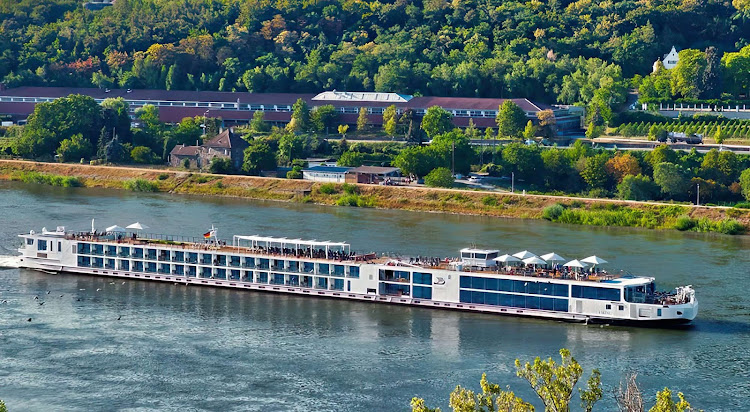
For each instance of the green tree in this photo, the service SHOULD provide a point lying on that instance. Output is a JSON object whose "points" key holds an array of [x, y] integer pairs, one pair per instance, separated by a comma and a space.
{"points": [[745, 183], [672, 179], [711, 77], [524, 160], [510, 119], [638, 187], [351, 159], [417, 160], [221, 165], [665, 402], [300, 117], [593, 171], [114, 151], [390, 127], [529, 131], [660, 154], [290, 145], [436, 121], [342, 129], [142, 154], [390, 120], [74, 149], [258, 157], [439, 177], [687, 74], [323, 117], [719, 135], [554, 383], [258, 124], [362, 120], [455, 149]]}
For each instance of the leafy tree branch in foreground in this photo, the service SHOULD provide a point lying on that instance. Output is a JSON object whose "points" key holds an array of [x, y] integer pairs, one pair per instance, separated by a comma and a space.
{"points": [[554, 385]]}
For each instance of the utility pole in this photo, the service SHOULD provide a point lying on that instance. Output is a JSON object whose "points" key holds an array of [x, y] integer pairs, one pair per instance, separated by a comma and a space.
{"points": [[512, 182], [698, 195]]}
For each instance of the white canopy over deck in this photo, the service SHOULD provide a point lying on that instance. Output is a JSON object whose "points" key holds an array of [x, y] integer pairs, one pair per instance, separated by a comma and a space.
{"points": [[256, 241]]}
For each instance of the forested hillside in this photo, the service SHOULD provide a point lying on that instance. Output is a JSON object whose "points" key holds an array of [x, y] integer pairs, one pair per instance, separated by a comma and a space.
{"points": [[555, 50]]}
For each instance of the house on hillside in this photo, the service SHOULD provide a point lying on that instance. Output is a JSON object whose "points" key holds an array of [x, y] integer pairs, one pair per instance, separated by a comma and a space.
{"points": [[180, 153], [226, 144], [669, 60]]}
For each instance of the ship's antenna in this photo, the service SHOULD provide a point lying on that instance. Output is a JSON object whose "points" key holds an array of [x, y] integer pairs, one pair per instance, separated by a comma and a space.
{"points": [[92, 226]]}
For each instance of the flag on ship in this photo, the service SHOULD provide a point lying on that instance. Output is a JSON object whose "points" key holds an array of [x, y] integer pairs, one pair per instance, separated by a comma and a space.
{"points": [[207, 234]]}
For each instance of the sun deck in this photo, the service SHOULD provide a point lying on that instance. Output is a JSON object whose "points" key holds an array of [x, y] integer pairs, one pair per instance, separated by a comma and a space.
{"points": [[326, 251]]}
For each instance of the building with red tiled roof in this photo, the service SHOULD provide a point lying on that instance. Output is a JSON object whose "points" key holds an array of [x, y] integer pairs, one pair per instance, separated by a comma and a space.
{"points": [[238, 107]]}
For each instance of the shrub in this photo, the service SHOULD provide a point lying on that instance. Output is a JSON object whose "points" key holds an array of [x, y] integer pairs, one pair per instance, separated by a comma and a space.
{"points": [[142, 154], [350, 189], [489, 200], [47, 179], [327, 189], [219, 185], [439, 177], [742, 205], [553, 212], [294, 174], [201, 179], [141, 185], [684, 222], [355, 200], [163, 176]]}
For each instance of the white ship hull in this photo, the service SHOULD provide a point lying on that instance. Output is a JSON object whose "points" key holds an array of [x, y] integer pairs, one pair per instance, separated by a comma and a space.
{"points": [[367, 281]]}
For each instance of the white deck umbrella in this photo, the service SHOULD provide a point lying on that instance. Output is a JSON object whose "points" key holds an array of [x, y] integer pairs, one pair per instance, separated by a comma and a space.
{"points": [[575, 263], [524, 255], [534, 260], [506, 259], [553, 257], [116, 229], [137, 226], [594, 260]]}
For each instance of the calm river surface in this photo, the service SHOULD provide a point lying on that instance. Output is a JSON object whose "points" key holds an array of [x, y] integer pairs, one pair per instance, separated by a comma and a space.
{"points": [[191, 348]]}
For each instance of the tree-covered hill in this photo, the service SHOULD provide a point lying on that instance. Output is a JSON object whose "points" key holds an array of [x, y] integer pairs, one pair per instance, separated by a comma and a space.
{"points": [[553, 50]]}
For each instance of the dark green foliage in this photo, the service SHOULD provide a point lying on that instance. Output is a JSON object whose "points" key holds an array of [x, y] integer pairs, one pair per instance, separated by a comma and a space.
{"points": [[141, 185], [47, 179], [440, 177], [142, 154], [553, 212], [328, 189], [221, 165], [258, 157]]}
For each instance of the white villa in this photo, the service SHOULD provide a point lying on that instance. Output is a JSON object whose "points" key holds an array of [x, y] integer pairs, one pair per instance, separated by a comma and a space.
{"points": [[669, 60]]}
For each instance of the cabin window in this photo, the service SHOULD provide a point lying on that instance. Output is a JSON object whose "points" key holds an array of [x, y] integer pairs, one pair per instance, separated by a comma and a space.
{"points": [[422, 279], [41, 245], [29, 241], [422, 292], [59, 246], [354, 271], [466, 255], [658, 312], [480, 256], [608, 306], [592, 292]]}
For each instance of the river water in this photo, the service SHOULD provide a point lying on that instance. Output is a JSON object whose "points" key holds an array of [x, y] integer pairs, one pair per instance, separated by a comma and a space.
{"points": [[189, 348]]}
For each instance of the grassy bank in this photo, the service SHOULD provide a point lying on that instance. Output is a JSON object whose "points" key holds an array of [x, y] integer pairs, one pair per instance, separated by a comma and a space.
{"points": [[564, 210]]}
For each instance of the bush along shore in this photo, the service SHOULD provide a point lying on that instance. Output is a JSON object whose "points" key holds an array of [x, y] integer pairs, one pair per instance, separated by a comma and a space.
{"points": [[600, 212]]}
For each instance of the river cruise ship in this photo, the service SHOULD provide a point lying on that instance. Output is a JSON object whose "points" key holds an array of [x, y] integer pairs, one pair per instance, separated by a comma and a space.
{"points": [[476, 281]]}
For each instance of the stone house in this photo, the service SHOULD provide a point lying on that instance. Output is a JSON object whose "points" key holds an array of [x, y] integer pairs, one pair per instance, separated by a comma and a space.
{"points": [[226, 144]]}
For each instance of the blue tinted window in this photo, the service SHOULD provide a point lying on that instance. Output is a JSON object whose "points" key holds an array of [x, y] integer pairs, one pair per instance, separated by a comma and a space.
{"points": [[561, 305], [465, 296], [592, 292], [505, 299], [477, 283], [506, 285], [490, 298], [465, 282], [491, 284], [422, 278], [422, 292], [477, 297]]}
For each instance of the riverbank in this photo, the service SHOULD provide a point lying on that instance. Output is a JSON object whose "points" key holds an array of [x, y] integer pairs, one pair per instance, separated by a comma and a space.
{"points": [[594, 212]]}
